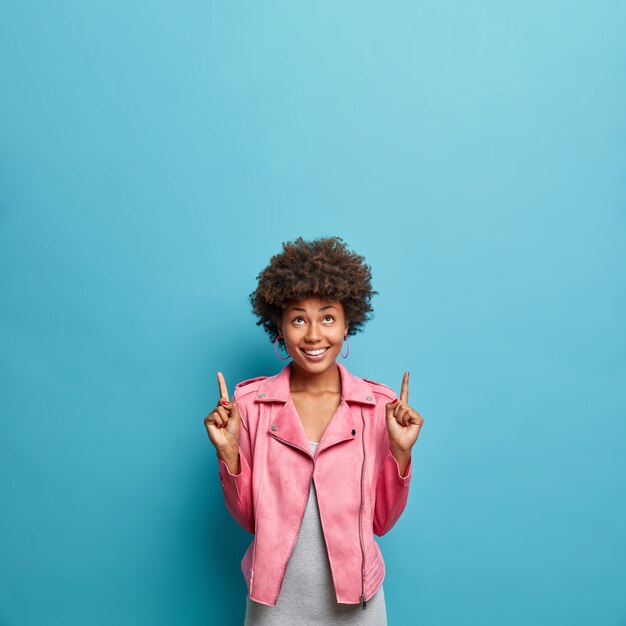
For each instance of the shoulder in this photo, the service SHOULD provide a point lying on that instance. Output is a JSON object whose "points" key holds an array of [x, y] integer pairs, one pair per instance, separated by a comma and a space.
{"points": [[246, 387], [380, 389]]}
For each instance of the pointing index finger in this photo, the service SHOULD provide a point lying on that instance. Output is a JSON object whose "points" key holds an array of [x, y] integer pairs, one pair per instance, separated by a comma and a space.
{"points": [[404, 391], [223, 389]]}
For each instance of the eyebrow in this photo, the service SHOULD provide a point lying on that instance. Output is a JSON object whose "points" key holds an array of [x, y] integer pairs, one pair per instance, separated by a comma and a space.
{"points": [[323, 308]]}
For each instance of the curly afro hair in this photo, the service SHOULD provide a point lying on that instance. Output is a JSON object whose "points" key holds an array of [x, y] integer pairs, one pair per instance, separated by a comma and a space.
{"points": [[323, 268]]}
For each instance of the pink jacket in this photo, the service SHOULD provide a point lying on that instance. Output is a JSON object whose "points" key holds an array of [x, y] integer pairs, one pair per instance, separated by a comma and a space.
{"points": [[359, 487]]}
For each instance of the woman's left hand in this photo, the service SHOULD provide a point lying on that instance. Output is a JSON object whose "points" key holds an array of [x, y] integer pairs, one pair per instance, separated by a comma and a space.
{"points": [[403, 421]]}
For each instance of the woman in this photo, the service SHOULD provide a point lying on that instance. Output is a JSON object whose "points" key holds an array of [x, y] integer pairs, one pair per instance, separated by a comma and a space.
{"points": [[314, 461]]}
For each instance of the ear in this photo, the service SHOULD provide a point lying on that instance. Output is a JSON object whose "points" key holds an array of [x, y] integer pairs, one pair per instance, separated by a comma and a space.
{"points": [[347, 326]]}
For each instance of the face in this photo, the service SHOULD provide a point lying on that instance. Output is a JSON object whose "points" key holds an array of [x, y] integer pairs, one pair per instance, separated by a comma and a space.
{"points": [[313, 330]]}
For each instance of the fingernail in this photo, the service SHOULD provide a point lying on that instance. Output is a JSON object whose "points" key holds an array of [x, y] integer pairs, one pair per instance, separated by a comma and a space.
{"points": [[223, 402], [395, 401]]}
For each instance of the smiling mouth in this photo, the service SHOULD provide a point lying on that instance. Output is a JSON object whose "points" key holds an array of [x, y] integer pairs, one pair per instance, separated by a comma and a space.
{"points": [[316, 352]]}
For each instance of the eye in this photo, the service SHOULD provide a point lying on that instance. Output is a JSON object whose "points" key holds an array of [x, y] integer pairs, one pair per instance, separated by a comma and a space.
{"points": [[297, 321], [329, 317]]}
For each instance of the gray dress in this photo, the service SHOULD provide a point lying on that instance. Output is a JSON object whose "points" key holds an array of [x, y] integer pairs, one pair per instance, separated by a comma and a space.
{"points": [[307, 595]]}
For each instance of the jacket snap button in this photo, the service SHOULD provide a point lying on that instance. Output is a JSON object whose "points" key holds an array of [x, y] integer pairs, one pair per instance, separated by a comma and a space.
{"points": [[261, 395], [353, 431], [274, 427], [369, 398]]}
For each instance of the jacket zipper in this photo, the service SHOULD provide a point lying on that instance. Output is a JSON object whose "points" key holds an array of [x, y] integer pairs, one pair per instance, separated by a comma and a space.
{"points": [[253, 553], [308, 453], [360, 517]]}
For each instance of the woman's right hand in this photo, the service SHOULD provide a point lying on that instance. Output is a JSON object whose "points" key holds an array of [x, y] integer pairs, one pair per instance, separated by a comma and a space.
{"points": [[222, 424]]}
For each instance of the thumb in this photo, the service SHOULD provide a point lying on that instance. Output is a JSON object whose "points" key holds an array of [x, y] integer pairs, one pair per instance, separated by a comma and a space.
{"points": [[234, 412], [389, 408]]}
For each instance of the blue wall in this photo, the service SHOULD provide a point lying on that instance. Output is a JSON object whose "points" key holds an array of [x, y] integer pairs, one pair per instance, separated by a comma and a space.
{"points": [[154, 155]]}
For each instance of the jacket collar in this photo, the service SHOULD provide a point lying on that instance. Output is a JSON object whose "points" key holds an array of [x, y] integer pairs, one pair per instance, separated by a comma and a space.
{"points": [[353, 389]]}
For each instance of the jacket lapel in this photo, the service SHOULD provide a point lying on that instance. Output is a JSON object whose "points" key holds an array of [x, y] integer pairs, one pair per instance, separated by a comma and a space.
{"points": [[339, 428], [288, 428]]}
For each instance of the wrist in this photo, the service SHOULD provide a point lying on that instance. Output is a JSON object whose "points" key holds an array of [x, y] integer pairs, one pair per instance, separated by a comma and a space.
{"points": [[231, 458], [403, 459], [400, 452]]}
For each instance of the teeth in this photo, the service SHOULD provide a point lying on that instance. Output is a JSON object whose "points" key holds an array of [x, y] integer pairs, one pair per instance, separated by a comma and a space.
{"points": [[315, 352]]}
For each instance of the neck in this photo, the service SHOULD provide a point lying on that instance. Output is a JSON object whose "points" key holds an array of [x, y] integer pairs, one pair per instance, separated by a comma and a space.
{"points": [[327, 381]]}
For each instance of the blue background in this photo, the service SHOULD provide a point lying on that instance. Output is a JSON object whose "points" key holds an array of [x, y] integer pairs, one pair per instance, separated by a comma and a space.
{"points": [[153, 156]]}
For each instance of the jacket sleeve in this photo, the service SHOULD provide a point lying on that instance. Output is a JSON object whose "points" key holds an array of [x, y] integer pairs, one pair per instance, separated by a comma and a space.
{"points": [[392, 489], [237, 488]]}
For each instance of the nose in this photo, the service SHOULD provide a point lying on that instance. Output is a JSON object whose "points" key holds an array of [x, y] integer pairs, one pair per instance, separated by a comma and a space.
{"points": [[313, 335]]}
